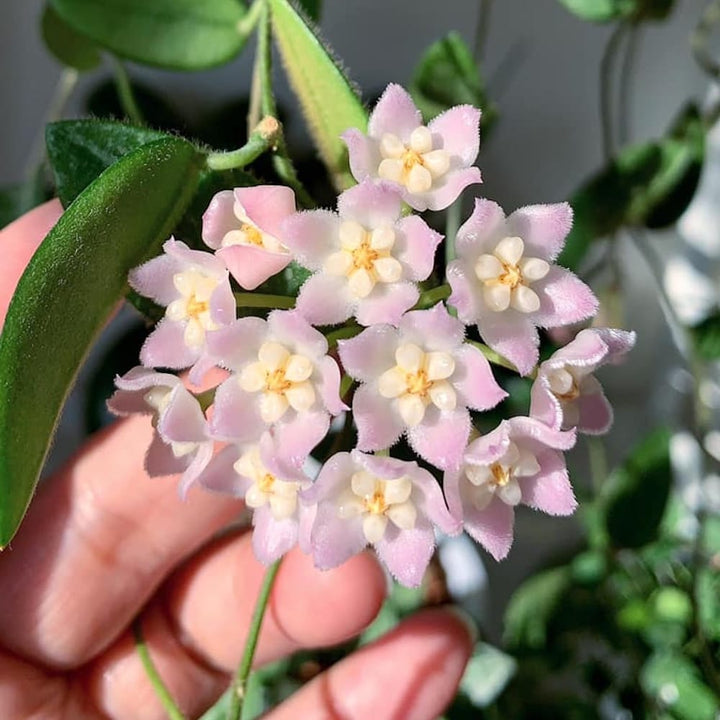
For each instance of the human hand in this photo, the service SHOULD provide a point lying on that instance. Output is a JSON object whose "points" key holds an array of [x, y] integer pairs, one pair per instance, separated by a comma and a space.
{"points": [[103, 543]]}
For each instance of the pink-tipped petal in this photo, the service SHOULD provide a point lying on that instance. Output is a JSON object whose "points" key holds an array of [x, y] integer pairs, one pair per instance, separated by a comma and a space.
{"points": [[335, 540], [201, 260], [183, 419], [363, 154], [464, 296], [200, 458], [237, 344], [492, 527], [429, 499], [295, 439], [272, 538], [434, 329], [394, 113], [406, 553], [222, 304], [474, 381], [267, 206], [540, 435], [386, 304], [369, 354], [160, 459], [479, 232], [165, 347], [415, 245], [446, 193], [236, 417], [543, 228], [378, 424], [513, 336], [219, 219], [544, 406], [311, 236], [596, 414], [372, 204], [459, 128], [442, 437], [291, 329], [129, 398], [550, 490], [324, 300], [220, 475], [250, 265], [330, 386], [154, 279], [564, 299]]}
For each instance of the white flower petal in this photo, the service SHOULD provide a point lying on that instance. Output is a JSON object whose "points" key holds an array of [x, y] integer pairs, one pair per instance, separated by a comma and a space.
{"points": [[349, 505], [419, 179], [437, 162], [409, 357], [497, 297], [255, 497], [374, 527], [298, 368], [398, 490], [361, 283], [421, 140], [403, 515], [510, 494], [351, 235], [363, 483], [509, 250], [534, 268], [283, 506], [388, 269], [273, 406], [439, 365], [526, 465], [252, 377], [391, 146], [391, 170], [443, 395], [411, 409], [488, 267], [392, 383], [382, 238], [524, 300], [273, 355], [301, 396]]}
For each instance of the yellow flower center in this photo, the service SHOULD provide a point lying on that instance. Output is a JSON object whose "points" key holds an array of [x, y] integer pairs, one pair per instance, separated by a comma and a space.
{"points": [[500, 475], [376, 503], [253, 236], [364, 257], [418, 383], [196, 307]]}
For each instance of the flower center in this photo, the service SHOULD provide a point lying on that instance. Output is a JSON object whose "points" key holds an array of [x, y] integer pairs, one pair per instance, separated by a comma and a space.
{"points": [[282, 378], [418, 379], [250, 234], [564, 385], [193, 306], [506, 275], [417, 165], [196, 307], [377, 500], [253, 236], [500, 475], [364, 258]]}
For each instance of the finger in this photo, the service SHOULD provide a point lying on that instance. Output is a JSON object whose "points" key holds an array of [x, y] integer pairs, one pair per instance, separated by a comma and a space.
{"points": [[412, 673], [18, 241], [196, 637], [97, 541]]}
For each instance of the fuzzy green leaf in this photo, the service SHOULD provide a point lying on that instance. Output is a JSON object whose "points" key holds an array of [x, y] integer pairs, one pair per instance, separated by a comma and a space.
{"points": [[329, 102], [486, 675], [171, 34], [67, 294], [68, 46]]}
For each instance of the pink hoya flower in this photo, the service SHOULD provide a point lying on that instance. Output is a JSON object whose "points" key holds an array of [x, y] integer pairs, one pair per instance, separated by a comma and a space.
{"points": [[181, 443], [195, 288], [503, 278], [365, 257], [518, 462], [243, 227], [566, 394], [431, 165], [251, 472], [420, 378], [282, 378], [369, 500]]}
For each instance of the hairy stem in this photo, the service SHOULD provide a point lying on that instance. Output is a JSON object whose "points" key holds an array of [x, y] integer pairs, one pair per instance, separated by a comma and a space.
{"points": [[607, 108], [125, 93], [262, 139]]}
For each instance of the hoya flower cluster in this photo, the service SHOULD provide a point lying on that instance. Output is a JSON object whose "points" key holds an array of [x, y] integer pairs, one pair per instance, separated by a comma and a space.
{"points": [[404, 372]]}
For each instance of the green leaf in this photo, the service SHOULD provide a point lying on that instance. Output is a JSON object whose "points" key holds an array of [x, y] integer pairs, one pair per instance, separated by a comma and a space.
{"points": [[312, 8], [171, 34], [706, 336], [68, 46], [66, 295], [673, 682], [446, 76], [708, 592], [79, 150], [329, 102], [637, 493], [487, 674], [532, 605], [601, 10]]}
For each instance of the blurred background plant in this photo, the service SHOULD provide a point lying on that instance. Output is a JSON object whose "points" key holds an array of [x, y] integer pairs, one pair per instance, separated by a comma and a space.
{"points": [[614, 614]]}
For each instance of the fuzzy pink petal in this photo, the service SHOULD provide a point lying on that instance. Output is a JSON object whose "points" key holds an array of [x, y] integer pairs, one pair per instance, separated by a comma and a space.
{"points": [[237, 344], [540, 435], [596, 414], [332, 478], [183, 419], [324, 300], [372, 204], [236, 416], [549, 490], [165, 347], [154, 279], [587, 350], [335, 540], [543, 228], [219, 219], [200, 459], [415, 245], [492, 527], [488, 448], [464, 296], [369, 354], [363, 154], [459, 129], [386, 303], [306, 520], [378, 424], [200, 369], [292, 330], [222, 304], [441, 437], [474, 381], [267, 206], [451, 490], [201, 260], [272, 538], [544, 406], [434, 329], [330, 386], [564, 299], [250, 265], [160, 459], [129, 398], [394, 113], [619, 342], [513, 335], [446, 192], [479, 232], [294, 440], [312, 236], [220, 476], [429, 499], [406, 553]]}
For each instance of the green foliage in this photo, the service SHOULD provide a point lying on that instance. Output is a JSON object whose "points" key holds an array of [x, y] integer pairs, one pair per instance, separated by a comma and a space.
{"points": [[706, 337], [16, 200], [171, 34], [647, 185], [312, 8], [329, 103], [486, 675], [608, 10], [446, 76], [637, 493], [117, 222], [69, 47]]}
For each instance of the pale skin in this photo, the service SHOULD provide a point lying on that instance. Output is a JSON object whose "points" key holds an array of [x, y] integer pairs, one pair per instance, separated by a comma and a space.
{"points": [[103, 543]]}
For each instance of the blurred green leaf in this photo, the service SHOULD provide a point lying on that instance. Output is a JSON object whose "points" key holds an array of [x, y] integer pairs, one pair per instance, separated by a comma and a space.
{"points": [[532, 605], [708, 594], [636, 494], [706, 337], [68, 46], [66, 295], [487, 674], [312, 8], [446, 76], [171, 34], [671, 604], [589, 567], [601, 10], [16, 200], [329, 102], [673, 682]]}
